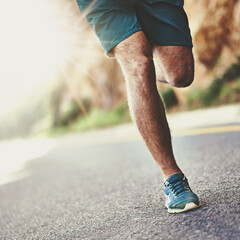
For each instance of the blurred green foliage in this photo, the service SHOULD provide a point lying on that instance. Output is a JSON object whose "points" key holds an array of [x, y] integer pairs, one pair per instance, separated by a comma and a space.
{"points": [[233, 71], [169, 98], [73, 112], [221, 90], [212, 92], [230, 93], [193, 99], [98, 118]]}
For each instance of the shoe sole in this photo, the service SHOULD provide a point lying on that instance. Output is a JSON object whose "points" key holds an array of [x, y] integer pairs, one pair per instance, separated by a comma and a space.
{"points": [[188, 207]]}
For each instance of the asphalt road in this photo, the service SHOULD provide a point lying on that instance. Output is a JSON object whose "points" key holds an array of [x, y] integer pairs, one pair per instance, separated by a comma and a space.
{"points": [[115, 191]]}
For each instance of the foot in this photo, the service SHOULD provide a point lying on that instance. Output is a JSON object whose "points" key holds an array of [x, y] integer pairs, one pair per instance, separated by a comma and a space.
{"points": [[180, 197]]}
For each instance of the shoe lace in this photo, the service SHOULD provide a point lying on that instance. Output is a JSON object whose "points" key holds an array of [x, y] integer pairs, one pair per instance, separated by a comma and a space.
{"points": [[179, 186]]}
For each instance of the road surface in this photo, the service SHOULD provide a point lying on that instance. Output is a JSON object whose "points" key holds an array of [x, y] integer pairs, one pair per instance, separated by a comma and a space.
{"points": [[114, 190]]}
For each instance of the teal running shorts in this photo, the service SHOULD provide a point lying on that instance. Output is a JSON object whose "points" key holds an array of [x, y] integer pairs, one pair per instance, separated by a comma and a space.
{"points": [[163, 21]]}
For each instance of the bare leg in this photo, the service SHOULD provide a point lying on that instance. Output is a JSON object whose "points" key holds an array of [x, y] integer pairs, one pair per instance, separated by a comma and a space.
{"points": [[135, 57]]}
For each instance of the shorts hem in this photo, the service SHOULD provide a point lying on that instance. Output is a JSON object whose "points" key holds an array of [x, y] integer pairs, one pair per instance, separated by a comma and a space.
{"points": [[108, 51], [184, 44]]}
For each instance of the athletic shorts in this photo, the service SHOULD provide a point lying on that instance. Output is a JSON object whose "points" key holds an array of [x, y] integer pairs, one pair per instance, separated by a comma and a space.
{"points": [[163, 21]]}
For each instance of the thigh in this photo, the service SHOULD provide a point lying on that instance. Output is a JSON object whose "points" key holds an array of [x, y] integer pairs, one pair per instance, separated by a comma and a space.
{"points": [[135, 46], [164, 22], [112, 20]]}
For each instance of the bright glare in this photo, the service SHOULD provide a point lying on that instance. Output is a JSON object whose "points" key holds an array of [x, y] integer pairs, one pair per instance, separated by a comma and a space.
{"points": [[15, 154], [34, 44]]}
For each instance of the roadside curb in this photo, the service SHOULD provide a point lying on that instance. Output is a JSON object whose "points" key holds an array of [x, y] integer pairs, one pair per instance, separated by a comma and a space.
{"points": [[223, 115]]}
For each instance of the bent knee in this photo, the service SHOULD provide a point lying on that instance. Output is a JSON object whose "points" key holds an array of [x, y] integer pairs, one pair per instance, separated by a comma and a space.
{"points": [[182, 81], [183, 77], [177, 64]]}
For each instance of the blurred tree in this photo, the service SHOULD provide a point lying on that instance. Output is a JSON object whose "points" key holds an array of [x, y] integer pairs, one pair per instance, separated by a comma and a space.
{"points": [[215, 31]]}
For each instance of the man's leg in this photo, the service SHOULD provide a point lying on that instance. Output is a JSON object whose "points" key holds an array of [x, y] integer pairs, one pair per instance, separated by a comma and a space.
{"points": [[135, 57]]}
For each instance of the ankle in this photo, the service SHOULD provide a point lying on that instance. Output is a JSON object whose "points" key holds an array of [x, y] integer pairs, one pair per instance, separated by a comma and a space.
{"points": [[169, 173]]}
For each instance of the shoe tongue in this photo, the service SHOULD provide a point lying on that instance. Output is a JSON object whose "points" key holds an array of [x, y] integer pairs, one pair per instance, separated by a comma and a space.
{"points": [[176, 176]]}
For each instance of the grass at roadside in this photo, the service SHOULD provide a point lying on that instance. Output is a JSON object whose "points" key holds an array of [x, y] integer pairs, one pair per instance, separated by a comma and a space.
{"points": [[96, 118], [222, 90], [219, 92]]}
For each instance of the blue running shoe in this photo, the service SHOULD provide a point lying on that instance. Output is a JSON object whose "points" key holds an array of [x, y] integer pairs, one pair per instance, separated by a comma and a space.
{"points": [[179, 196]]}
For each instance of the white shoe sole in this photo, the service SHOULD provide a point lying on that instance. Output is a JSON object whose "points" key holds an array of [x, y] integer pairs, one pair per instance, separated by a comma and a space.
{"points": [[188, 206]]}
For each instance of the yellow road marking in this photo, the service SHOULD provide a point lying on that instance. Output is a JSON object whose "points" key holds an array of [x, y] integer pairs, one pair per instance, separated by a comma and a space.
{"points": [[207, 130], [177, 133]]}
